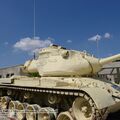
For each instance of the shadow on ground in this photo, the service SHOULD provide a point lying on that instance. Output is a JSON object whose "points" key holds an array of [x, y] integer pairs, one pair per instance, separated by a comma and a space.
{"points": [[114, 116]]}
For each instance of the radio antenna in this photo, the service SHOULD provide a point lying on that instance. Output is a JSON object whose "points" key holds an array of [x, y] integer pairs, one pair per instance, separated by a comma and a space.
{"points": [[34, 24], [34, 15], [97, 45]]}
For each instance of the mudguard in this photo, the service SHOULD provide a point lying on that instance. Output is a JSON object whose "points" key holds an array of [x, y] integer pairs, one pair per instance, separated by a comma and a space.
{"points": [[101, 97]]}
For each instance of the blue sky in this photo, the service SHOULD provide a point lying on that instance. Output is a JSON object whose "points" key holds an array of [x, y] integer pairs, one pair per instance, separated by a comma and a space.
{"points": [[70, 23]]}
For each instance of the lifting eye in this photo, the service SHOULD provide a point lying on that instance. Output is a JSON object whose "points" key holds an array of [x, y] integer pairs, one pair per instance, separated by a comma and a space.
{"points": [[65, 54]]}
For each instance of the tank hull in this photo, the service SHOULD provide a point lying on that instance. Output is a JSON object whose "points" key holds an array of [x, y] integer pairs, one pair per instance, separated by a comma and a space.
{"points": [[63, 94]]}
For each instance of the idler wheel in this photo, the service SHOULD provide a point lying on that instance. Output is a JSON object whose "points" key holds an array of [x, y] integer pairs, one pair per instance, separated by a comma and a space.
{"points": [[64, 116], [21, 111], [12, 109], [82, 109], [5, 102], [31, 112], [47, 113]]}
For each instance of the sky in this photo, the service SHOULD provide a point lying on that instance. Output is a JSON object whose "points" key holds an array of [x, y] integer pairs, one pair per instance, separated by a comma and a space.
{"points": [[74, 24]]}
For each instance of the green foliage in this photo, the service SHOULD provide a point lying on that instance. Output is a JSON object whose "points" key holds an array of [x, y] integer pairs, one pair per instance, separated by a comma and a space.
{"points": [[36, 74]]}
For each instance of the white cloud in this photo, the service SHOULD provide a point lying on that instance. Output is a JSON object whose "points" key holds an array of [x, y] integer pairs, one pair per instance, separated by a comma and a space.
{"points": [[107, 35], [95, 38], [69, 41], [31, 45]]}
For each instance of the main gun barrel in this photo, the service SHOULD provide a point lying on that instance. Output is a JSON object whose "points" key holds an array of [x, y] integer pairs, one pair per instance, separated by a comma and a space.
{"points": [[109, 59]]}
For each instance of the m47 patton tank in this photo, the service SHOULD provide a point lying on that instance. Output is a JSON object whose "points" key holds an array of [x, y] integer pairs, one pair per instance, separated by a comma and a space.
{"points": [[60, 84]]}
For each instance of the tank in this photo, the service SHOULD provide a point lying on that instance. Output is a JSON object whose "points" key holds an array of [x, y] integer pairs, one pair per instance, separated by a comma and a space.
{"points": [[60, 84]]}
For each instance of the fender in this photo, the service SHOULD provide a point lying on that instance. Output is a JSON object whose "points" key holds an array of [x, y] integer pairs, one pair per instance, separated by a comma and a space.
{"points": [[101, 97]]}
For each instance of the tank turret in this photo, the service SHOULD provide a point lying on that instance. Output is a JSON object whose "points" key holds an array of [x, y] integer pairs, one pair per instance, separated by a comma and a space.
{"points": [[57, 61]]}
